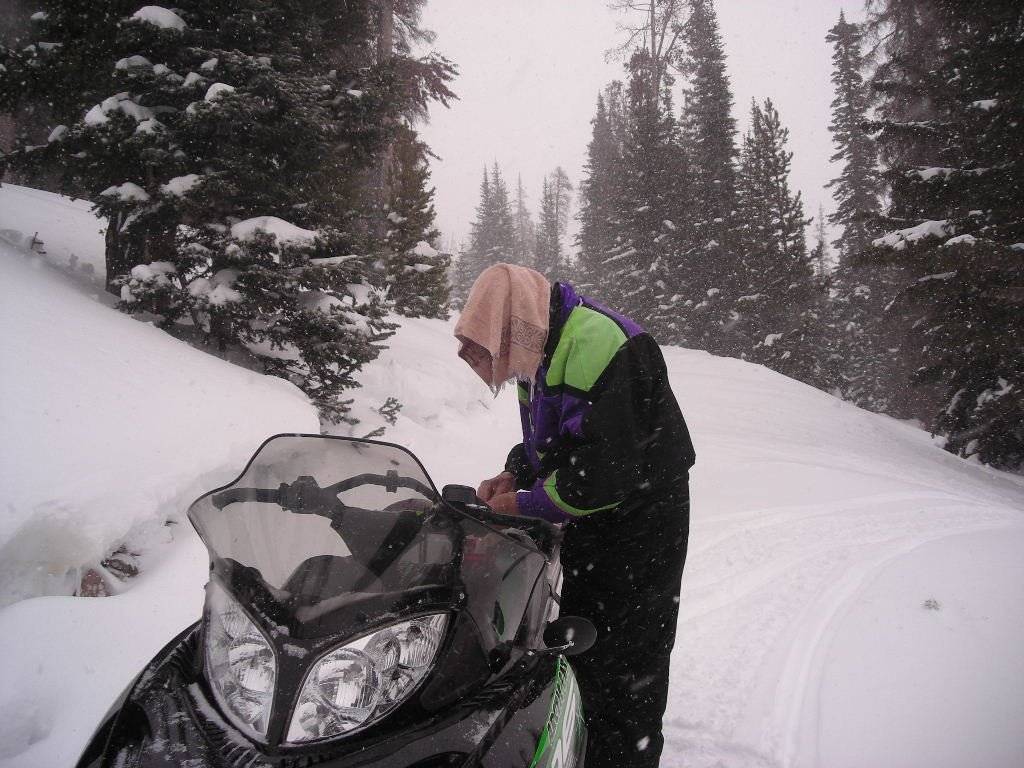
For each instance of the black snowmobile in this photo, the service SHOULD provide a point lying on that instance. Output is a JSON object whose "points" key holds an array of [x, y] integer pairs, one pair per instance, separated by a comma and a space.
{"points": [[356, 617]]}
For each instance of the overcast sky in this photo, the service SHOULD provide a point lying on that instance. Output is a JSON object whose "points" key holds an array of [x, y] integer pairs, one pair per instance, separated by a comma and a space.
{"points": [[530, 72]]}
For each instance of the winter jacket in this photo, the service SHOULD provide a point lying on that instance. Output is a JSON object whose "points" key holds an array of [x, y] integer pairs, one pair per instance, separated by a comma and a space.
{"points": [[601, 427]]}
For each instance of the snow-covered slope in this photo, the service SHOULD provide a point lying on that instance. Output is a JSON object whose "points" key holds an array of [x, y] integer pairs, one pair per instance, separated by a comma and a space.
{"points": [[854, 596], [72, 236], [108, 425]]}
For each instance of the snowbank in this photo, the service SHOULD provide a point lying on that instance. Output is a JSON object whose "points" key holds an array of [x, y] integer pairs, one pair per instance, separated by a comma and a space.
{"points": [[72, 235], [109, 426]]}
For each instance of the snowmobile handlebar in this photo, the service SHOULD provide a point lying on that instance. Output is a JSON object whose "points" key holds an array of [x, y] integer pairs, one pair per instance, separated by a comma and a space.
{"points": [[305, 494]]}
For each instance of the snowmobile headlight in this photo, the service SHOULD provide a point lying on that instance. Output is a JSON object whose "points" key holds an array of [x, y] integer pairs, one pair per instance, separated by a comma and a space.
{"points": [[240, 664], [362, 681]]}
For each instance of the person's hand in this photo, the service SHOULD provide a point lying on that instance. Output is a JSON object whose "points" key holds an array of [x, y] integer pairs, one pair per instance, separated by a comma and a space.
{"points": [[497, 485], [505, 503]]}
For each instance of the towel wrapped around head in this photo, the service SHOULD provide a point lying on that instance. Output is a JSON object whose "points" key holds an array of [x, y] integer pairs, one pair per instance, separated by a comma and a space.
{"points": [[504, 324]]}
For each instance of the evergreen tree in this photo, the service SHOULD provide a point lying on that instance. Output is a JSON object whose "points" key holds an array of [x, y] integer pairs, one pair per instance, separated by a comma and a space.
{"points": [[599, 189], [957, 191], [493, 237], [781, 311], [416, 271], [525, 229], [820, 252], [549, 246], [556, 198], [222, 142], [647, 202], [710, 131], [873, 371], [473, 257], [857, 189]]}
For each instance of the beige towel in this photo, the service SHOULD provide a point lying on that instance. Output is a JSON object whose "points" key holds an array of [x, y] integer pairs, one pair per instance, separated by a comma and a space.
{"points": [[504, 324]]}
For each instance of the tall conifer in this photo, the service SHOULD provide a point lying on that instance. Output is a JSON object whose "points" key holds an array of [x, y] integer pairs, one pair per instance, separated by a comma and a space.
{"points": [[957, 192]]}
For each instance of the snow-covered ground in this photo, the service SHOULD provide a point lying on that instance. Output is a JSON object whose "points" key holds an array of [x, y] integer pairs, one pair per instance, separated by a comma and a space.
{"points": [[854, 596]]}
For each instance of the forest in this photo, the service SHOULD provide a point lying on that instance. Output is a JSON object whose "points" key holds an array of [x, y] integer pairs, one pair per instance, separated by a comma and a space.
{"points": [[266, 192]]}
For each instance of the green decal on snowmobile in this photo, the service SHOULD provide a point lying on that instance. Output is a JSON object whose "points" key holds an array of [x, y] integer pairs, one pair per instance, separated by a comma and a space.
{"points": [[558, 746]]}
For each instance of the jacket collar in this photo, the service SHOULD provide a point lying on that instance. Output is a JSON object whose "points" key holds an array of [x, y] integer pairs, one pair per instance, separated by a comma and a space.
{"points": [[563, 300]]}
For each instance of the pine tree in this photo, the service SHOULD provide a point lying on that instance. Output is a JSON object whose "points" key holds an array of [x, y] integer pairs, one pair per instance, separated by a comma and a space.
{"points": [[820, 252], [222, 142], [710, 132], [548, 248], [781, 311], [416, 271], [597, 198], [957, 190], [503, 232], [556, 198], [525, 229], [493, 237], [646, 204], [857, 189], [873, 372]]}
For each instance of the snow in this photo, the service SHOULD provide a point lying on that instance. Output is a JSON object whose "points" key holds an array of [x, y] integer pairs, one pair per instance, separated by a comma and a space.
{"points": [[181, 185], [154, 271], [149, 126], [898, 240], [927, 174], [72, 235], [132, 61], [424, 250], [217, 290], [127, 192], [333, 261], [771, 338], [285, 232], [852, 594], [985, 104], [158, 17], [937, 276], [120, 102], [961, 240], [39, 16], [57, 134], [108, 424], [218, 91]]}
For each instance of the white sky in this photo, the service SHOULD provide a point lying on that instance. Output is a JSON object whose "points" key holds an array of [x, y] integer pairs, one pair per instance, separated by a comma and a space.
{"points": [[530, 72]]}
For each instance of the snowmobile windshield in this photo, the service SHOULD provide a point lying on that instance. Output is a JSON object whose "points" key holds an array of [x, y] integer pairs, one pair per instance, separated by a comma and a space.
{"points": [[320, 523]]}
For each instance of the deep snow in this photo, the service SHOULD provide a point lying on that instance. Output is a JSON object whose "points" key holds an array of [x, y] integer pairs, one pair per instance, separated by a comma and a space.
{"points": [[854, 596], [109, 426]]}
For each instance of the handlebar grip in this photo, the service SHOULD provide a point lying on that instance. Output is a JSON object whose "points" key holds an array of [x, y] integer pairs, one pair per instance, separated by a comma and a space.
{"points": [[235, 495]]}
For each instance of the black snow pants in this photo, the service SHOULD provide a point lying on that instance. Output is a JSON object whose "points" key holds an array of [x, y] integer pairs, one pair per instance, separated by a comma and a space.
{"points": [[622, 571]]}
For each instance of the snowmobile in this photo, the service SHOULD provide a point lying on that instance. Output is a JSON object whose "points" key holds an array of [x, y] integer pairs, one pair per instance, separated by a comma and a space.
{"points": [[354, 616]]}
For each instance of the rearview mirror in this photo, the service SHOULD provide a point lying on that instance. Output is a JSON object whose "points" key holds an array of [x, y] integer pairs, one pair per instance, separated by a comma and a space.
{"points": [[570, 635]]}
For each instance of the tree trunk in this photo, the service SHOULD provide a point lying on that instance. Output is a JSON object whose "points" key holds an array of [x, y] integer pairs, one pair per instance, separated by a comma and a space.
{"points": [[116, 255]]}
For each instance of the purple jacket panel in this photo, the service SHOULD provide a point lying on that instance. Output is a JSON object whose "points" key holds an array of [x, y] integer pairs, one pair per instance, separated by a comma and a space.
{"points": [[550, 418]]}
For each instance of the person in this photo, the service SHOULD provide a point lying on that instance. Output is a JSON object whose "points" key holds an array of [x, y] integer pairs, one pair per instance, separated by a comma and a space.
{"points": [[605, 452]]}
